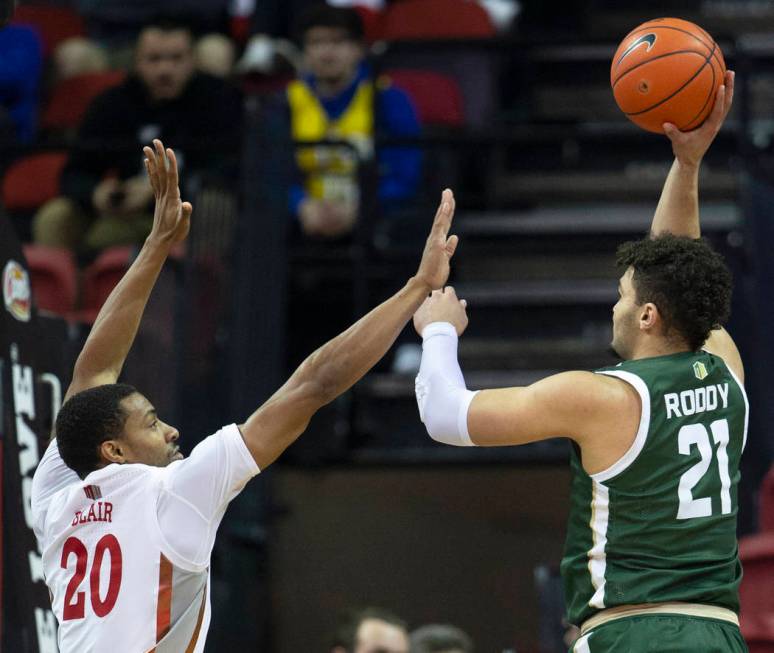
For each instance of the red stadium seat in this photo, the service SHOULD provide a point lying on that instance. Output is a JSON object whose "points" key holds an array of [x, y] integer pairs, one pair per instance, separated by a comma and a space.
{"points": [[54, 24], [437, 97], [32, 180], [101, 277], [71, 98], [755, 594], [436, 19], [372, 23], [766, 509], [53, 275]]}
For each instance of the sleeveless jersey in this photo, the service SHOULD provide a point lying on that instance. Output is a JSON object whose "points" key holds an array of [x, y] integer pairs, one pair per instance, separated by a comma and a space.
{"points": [[660, 524], [126, 550]]}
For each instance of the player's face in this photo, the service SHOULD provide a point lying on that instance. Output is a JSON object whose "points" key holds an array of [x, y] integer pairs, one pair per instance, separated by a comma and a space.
{"points": [[146, 439], [330, 54], [164, 61], [377, 636], [625, 317]]}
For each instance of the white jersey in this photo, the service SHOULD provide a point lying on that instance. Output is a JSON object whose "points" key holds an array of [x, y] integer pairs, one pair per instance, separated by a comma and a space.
{"points": [[126, 551]]}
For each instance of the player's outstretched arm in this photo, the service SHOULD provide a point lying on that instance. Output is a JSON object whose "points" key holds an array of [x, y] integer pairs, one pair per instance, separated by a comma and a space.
{"points": [[115, 328], [337, 365], [678, 208], [580, 405]]}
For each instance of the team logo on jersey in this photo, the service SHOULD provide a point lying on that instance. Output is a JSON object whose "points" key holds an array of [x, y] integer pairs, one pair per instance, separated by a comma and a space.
{"points": [[16, 291], [700, 370], [93, 492], [650, 39]]}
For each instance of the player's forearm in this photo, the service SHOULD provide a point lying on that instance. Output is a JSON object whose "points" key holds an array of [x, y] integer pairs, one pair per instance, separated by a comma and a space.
{"points": [[116, 325], [340, 363], [678, 208]]}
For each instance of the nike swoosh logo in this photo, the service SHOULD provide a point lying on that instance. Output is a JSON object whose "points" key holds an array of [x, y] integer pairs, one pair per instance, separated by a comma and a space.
{"points": [[650, 39]]}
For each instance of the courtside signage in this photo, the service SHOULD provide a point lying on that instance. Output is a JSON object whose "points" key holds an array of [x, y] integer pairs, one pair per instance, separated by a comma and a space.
{"points": [[16, 291]]}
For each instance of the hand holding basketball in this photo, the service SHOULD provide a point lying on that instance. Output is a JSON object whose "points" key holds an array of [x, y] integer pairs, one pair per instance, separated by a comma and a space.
{"points": [[667, 70], [690, 147]]}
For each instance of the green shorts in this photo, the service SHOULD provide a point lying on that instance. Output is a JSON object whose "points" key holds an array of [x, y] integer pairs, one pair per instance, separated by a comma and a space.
{"points": [[662, 633]]}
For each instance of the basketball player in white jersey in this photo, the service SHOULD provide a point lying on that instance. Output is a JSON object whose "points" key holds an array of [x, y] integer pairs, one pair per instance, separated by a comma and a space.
{"points": [[125, 524]]}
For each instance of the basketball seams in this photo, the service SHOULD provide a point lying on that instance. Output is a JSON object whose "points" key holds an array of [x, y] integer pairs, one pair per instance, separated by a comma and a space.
{"points": [[712, 48], [706, 103], [679, 90], [656, 58]]}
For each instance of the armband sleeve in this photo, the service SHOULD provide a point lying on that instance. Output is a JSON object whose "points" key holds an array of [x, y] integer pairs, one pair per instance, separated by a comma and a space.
{"points": [[442, 397]]}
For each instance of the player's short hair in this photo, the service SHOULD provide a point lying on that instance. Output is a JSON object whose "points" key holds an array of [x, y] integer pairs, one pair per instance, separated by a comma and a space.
{"points": [[346, 633], [86, 420], [324, 15], [434, 638], [685, 278]]}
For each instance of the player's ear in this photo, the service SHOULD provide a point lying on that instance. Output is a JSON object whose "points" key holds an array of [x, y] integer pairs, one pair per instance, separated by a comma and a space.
{"points": [[649, 316], [111, 451]]}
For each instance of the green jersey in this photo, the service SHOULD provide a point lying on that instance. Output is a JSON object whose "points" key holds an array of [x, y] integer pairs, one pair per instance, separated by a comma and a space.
{"points": [[660, 524]]}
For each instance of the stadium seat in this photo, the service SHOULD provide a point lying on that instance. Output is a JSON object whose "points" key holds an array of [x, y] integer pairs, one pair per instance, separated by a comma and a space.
{"points": [[436, 19], [757, 600], [32, 180], [766, 505], [101, 277], [372, 22], [71, 98], [437, 97], [54, 23], [53, 275]]}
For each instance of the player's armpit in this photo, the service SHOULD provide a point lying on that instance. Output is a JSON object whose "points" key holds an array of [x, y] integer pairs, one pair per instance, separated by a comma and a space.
{"points": [[83, 382], [570, 404], [720, 343]]}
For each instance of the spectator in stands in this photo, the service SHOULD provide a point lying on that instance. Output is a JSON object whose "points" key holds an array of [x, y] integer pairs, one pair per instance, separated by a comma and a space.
{"points": [[106, 198], [215, 55], [371, 630], [440, 638], [20, 68], [338, 98], [78, 56]]}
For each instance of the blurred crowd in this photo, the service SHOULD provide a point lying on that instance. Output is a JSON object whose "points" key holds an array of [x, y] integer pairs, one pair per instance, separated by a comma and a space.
{"points": [[376, 630], [143, 75]]}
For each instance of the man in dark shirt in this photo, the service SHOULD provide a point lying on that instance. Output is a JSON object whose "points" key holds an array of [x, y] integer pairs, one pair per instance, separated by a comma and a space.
{"points": [[105, 199]]}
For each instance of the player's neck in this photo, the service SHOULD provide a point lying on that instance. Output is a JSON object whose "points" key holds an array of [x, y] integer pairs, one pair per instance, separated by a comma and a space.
{"points": [[651, 348]]}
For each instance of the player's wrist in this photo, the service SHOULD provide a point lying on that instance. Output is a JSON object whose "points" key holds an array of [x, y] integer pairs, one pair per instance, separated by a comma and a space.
{"points": [[419, 284]]}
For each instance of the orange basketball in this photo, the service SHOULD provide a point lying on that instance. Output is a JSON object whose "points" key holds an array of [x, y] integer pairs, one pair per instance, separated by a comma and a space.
{"points": [[667, 70]]}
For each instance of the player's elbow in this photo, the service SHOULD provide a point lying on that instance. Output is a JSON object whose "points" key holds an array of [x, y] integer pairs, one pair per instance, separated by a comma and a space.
{"points": [[443, 409]]}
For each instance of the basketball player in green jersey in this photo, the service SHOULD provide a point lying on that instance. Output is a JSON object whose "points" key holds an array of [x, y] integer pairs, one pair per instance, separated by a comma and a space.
{"points": [[651, 559]]}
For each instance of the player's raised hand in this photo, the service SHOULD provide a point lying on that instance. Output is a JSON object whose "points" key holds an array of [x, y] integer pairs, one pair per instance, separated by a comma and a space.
{"points": [[172, 216], [442, 306], [439, 248], [689, 147]]}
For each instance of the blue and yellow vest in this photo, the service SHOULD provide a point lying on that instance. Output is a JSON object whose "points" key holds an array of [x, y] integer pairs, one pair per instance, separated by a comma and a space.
{"points": [[331, 172]]}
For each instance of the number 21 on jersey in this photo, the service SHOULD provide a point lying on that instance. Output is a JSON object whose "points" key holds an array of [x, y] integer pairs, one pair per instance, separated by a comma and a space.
{"points": [[692, 435], [75, 600]]}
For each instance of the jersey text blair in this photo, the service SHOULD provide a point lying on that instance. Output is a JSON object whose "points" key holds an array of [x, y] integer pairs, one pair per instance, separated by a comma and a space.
{"points": [[98, 511]]}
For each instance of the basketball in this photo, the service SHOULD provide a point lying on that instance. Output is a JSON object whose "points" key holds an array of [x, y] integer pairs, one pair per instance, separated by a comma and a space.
{"points": [[667, 70]]}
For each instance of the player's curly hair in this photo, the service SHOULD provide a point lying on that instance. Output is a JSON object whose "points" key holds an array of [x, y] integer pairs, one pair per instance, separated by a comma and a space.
{"points": [[685, 278], [86, 420]]}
